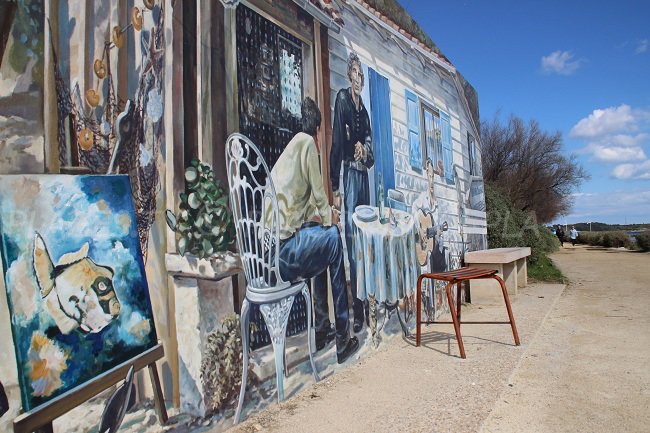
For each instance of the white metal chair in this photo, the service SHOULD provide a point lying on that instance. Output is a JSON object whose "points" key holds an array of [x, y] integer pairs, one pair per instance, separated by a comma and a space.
{"points": [[254, 205]]}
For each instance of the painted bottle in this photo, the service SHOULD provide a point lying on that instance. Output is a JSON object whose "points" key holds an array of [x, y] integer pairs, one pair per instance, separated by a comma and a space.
{"points": [[380, 200]]}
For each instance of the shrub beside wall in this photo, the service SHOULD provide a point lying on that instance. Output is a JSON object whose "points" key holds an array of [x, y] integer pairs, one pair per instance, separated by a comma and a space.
{"points": [[511, 227]]}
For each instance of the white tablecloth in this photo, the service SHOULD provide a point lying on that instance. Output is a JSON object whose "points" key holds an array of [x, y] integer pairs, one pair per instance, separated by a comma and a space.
{"points": [[387, 266]]}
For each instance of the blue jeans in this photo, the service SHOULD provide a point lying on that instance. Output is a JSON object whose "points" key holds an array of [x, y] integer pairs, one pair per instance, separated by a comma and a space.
{"points": [[308, 254], [356, 193]]}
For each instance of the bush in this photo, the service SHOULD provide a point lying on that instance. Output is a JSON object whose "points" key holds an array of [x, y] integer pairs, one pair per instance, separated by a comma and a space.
{"points": [[590, 238], [204, 223], [221, 368], [510, 227], [643, 241], [614, 239]]}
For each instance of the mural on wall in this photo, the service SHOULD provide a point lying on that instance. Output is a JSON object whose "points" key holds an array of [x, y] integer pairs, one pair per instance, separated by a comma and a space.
{"points": [[21, 87], [270, 82], [351, 148], [310, 241], [74, 275], [97, 130]]}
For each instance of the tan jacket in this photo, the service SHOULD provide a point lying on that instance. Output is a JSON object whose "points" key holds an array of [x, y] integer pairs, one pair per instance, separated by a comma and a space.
{"points": [[299, 186]]}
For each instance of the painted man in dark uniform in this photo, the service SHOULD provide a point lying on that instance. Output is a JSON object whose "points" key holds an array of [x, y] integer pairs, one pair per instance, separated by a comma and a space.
{"points": [[352, 147]]}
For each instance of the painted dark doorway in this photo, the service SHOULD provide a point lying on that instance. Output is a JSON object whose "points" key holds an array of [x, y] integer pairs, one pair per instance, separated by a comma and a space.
{"points": [[270, 83]]}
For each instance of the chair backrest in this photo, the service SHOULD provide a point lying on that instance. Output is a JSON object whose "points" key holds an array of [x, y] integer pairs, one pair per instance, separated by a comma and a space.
{"points": [[397, 200], [255, 211]]}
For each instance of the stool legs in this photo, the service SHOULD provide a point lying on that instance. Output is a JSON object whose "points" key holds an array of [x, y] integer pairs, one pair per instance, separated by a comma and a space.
{"points": [[458, 289], [418, 302], [510, 315], [455, 316]]}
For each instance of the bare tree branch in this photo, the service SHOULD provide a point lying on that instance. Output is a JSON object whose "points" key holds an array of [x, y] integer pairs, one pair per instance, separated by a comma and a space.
{"points": [[527, 163]]}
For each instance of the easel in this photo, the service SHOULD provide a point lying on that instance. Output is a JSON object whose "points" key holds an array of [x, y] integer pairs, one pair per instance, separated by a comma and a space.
{"points": [[41, 417]]}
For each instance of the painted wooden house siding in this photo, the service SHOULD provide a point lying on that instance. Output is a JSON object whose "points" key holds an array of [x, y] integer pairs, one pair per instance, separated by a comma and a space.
{"points": [[407, 74]]}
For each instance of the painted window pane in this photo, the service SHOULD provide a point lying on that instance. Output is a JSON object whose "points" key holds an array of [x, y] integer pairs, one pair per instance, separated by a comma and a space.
{"points": [[471, 148], [413, 124], [433, 144], [382, 132], [447, 154]]}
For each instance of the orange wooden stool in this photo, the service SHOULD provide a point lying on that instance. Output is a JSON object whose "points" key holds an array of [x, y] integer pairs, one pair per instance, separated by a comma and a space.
{"points": [[457, 276]]}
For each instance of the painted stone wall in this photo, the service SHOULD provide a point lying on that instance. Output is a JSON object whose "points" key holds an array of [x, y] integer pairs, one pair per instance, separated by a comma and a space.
{"points": [[96, 78], [21, 87]]}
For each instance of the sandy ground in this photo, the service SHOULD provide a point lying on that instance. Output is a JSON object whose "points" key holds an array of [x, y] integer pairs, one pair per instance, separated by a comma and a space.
{"points": [[588, 369], [582, 367]]}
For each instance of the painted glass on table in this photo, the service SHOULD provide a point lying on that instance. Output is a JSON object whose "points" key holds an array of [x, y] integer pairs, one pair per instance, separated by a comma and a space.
{"points": [[75, 280]]}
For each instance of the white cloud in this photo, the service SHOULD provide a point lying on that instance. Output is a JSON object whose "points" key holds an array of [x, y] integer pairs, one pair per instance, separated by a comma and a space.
{"points": [[617, 135], [613, 207], [560, 62], [628, 140], [631, 171], [642, 46], [616, 153], [605, 121]]}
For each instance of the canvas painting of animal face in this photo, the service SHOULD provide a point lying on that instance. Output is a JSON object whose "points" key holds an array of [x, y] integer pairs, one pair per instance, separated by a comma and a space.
{"points": [[75, 281]]}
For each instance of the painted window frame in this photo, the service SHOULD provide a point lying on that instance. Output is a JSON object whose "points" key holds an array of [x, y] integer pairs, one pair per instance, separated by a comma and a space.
{"points": [[447, 140], [472, 152], [437, 153], [413, 130]]}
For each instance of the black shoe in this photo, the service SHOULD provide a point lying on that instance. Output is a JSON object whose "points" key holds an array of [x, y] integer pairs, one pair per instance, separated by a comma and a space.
{"points": [[323, 338], [358, 325], [350, 348]]}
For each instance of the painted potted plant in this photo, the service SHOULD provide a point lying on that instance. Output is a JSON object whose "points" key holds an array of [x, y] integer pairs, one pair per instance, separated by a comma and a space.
{"points": [[204, 223]]}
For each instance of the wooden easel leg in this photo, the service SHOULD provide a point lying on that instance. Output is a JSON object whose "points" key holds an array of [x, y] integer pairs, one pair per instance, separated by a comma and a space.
{"points": [[158, 397]]}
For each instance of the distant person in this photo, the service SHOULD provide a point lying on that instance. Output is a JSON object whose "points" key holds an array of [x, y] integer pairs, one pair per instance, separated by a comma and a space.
{"points": [[560, 234], [573, 234]]}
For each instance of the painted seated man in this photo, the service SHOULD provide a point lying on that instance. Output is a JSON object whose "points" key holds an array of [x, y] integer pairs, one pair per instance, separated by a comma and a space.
{"points": [[310, 241]]}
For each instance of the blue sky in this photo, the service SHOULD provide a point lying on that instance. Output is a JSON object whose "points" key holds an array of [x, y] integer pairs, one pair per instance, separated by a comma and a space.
{"points": [[578, 67]]}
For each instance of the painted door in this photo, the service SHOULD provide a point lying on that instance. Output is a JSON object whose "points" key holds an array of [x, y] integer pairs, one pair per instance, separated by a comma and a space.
{"points": [[382, 130]]}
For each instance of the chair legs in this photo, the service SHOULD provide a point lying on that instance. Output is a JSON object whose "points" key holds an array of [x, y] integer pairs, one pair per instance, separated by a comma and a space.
{"points": [[511, 317], [305, 293], [245, 321], [455, 310], [276, 317], [455, 317]]}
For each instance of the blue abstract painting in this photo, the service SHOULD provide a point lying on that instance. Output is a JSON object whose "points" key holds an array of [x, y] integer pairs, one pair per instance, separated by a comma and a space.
{"points": [[75, 280]]}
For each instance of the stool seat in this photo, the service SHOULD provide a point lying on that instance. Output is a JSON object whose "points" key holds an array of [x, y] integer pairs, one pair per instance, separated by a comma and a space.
{"points": [[457, 276]]}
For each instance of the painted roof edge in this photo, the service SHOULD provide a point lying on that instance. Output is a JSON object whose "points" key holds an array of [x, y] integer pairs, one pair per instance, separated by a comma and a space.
{"points": [[395, 16]]}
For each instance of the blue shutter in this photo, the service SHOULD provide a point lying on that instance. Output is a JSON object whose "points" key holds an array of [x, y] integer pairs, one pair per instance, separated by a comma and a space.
{"points": [[382, 129], [413, 126], [447, 153]]}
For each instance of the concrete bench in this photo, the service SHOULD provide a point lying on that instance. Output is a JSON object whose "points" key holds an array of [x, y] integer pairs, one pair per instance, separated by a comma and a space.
{"points": [[510, 264]]}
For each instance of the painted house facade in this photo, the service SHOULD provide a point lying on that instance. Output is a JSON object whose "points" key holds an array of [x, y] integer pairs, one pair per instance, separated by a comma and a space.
{"points": [[195, 72]]}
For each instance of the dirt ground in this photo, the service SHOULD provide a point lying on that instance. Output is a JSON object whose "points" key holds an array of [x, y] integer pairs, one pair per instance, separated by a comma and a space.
{"points": [[582, 366]]}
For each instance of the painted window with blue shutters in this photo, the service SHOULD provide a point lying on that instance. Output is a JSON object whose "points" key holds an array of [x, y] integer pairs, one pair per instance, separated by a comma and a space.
{"points": [[413, 125], [431, 134], [447, 153], [382, 130]]}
